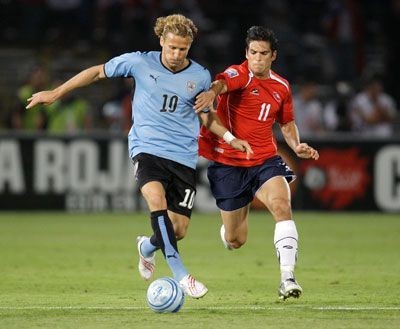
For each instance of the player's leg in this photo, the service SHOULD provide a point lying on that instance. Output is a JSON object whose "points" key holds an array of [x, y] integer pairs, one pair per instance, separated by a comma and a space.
{"points": [[164, 234], [151, 174], [188, 283], [275, 194], [231, 188], [234, 227], [180, 199], [154, 194], [148, 245]]}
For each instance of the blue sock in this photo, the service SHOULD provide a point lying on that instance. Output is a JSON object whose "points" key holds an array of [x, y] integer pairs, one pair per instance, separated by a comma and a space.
{"points": [[165, 234], [147, 248]]}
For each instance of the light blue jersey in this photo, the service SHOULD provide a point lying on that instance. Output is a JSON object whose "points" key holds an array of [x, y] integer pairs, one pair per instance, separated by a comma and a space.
{"points": [[165, 123]]}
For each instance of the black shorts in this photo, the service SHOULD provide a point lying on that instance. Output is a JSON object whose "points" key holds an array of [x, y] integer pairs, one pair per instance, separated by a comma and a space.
{"points": [[235, 187], [179, 181]]}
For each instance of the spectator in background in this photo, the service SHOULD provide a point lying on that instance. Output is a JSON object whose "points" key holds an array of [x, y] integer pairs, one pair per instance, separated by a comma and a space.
{"points": [[117, 112], [37, 118], [308, 109], [337, 110], [372, 110], [69, 115]]}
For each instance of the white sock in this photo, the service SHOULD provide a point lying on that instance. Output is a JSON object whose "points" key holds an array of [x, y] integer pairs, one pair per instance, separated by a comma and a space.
{"points": [[285, 240]]}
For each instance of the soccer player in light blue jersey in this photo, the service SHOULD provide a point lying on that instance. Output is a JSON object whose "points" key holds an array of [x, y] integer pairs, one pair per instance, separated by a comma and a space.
{"points": [[163, 138]]}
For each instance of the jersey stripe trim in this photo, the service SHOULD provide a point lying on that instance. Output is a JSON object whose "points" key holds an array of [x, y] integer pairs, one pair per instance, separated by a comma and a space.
{"points": [[248, 82], [276, 78]]}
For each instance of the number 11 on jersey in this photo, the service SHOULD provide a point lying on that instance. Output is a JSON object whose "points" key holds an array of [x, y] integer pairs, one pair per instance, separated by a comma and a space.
{"points": [[264, 112]]}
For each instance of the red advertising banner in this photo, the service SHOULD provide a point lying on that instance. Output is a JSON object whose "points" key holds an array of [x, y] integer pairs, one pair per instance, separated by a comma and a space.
{"points": [[349, 175]]}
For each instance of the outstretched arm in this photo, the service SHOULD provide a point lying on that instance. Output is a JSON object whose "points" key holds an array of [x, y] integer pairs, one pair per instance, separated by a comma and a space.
{"points": [[85, 77], [292, 138], [211, 121], [206, 98]]}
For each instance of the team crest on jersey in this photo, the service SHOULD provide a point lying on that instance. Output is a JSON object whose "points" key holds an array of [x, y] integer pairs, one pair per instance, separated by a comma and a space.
{"points": [[191, 86], [277, 96], [232, 72]]}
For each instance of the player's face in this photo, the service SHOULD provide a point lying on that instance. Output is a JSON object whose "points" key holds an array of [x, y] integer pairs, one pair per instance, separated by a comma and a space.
{"points": [[260, 57], [174, 51]]}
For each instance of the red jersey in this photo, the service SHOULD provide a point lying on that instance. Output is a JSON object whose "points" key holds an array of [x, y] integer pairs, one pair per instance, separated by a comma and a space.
{"points": [[249, 110]]}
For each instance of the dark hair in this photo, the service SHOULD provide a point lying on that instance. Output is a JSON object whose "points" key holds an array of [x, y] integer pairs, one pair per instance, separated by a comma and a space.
{"points": [[260, 33]]}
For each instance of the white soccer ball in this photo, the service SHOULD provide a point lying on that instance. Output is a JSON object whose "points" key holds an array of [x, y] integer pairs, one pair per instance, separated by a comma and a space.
{"points": [[165, 295]]}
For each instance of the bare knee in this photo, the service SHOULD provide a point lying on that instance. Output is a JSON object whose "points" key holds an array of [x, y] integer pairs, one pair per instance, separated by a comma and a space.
{"points": [[155, 200], [281, 208], [235, 241]]}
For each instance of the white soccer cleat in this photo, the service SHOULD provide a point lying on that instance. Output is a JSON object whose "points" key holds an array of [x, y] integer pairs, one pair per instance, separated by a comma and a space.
{"points": [[289, 288], [192, 287], [226, 244], [146, 264]]}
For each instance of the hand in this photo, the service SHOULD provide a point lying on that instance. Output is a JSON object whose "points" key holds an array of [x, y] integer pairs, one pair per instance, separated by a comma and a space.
{"points": [[303, 150], [204, 100], [46, 97], [242, 146]]}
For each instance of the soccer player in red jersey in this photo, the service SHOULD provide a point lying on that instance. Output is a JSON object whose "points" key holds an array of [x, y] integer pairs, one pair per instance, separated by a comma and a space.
{"points": [[252, 97]]}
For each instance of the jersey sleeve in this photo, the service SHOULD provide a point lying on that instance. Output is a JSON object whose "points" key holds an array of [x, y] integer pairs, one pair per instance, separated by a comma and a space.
{"points": [[206, 86], [123, 65], [235, 77], [286, 114], [207, 80]]}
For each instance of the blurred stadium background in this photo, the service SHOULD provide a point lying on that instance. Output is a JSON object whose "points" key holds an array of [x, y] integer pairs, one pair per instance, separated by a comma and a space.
{"points": [[72, 156]]}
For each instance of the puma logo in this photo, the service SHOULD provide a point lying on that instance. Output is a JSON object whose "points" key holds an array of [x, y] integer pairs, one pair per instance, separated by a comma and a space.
{"points": [[154, 78], [172, 256]]}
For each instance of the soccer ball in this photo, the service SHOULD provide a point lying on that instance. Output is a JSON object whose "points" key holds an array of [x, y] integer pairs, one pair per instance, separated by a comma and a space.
{"points": [[165, 295]]}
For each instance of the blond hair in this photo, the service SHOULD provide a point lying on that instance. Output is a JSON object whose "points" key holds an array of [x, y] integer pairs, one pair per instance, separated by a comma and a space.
{"points": [[176, 24]]}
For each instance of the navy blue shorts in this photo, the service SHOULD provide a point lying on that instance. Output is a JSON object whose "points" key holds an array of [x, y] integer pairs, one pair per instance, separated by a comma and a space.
{"points": [[235, 187]]}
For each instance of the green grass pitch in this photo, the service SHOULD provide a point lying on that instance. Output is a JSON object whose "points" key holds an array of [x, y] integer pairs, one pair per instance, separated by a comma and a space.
{"points": [[62, 270]]}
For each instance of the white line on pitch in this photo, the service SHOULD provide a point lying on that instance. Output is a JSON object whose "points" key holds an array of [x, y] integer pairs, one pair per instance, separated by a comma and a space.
{"points": [[221, 308]]}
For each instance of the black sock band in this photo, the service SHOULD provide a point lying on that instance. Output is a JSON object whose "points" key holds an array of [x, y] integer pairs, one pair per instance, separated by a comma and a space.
{"points": [[157, 239]]}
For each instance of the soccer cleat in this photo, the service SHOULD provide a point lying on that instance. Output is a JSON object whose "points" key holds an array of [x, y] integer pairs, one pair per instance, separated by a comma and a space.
{"points": [[226, 244], [192, 287], [289, 288], [146, 264]]}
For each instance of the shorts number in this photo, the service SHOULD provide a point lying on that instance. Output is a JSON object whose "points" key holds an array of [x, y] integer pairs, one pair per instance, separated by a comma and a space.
{"points": [[264, 112], [188, 201]]}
